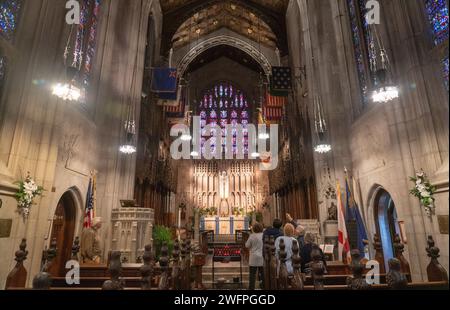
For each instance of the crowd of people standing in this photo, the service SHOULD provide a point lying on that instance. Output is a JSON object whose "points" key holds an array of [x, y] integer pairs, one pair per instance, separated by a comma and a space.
{"points": [[289, 232]]}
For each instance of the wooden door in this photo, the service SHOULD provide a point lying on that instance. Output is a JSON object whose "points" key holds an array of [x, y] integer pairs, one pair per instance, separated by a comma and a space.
{"points": [[63, 230]]}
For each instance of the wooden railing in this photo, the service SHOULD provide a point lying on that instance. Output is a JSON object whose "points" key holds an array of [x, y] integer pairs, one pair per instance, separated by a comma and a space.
{"points": [[174, 271]]}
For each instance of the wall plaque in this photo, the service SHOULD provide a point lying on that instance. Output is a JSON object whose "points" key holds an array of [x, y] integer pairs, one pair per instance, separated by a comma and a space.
{"points": [[443, 224], [5, 228]]}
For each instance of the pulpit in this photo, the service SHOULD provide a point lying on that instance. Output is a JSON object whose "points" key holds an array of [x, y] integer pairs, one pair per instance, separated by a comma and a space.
{"points": [[132, 231]]}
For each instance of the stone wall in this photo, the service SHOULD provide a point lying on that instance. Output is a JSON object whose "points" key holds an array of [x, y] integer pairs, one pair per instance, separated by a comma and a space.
{"points": [[380, 145], [58, 142]]}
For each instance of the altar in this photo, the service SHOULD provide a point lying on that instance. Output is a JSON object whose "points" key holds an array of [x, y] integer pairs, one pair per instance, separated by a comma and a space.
{"points": [[224, 225]]}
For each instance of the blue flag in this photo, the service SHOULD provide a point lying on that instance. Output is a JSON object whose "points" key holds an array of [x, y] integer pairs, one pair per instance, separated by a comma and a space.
{"points": [[352, 214], [164, 80]]}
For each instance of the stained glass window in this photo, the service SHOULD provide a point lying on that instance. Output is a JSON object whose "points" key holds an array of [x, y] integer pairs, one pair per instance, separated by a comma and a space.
{"points": [[85, 44], [437, 12], [222, 105], [363, 43], [9, 17]]}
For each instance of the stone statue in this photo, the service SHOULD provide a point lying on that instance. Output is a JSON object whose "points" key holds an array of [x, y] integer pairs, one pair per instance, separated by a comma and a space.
{"points": [[224, 190], [90, 243], [395, 279], [332, 212], [224, 185]]}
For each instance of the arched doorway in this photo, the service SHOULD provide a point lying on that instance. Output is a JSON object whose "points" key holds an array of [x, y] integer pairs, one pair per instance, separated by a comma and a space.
{"points": [[386, 223], [63, 230]]}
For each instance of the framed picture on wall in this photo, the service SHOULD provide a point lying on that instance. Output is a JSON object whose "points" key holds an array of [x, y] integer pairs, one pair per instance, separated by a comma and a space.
{"points": [[401, 225]]}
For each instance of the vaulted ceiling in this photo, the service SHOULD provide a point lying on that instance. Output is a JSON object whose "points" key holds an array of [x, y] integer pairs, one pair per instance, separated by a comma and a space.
{"points": [[234, 17], [262, 21], [279, 6]]}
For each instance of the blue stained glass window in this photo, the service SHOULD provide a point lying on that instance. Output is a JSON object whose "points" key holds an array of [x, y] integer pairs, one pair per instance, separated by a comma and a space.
{"points": [[9, 17], [437, 12], [233, 111], [363, 43], [86, 39]]}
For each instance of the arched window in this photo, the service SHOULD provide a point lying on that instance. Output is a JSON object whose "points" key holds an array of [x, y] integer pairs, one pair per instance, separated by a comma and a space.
{"points": [[222, 105], [437, 14], [86, 39], [363, 43], [9, 18]]}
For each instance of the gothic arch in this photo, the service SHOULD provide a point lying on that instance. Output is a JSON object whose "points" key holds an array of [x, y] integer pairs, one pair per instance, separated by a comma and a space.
{"points": [[224, 40]]}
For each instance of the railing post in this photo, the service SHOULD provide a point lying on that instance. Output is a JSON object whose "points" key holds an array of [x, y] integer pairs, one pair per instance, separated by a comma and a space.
{"points": [[435, 271], [164, 283], [395, 279], [297, 283], [176, 279], [317, 269], [379, 257], [358, 280], [283, 274], [76, 248], [273, 265], [17, 277], [147, 268], [399, 248], [115, 269]]}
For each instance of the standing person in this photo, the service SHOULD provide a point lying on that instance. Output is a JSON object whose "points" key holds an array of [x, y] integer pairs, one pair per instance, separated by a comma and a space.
{"points": [[288, 239], [290, 220], [275, 230], [256, 261], [300, 236], [90, 243]]}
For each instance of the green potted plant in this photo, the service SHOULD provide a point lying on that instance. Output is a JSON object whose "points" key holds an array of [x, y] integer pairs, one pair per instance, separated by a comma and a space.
{"points": [[162, 234]]}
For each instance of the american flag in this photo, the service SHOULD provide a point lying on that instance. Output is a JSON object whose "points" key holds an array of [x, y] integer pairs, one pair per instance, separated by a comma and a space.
{"points": [[273, 114], [89, 211], [275, 101]]}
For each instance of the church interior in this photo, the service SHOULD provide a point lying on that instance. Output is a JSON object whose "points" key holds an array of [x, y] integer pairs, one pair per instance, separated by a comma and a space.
{"points": [[148, 140]]}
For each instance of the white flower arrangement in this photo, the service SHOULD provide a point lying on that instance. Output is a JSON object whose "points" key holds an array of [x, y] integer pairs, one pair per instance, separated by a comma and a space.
{"points": [[424, 191], [28, 190]]}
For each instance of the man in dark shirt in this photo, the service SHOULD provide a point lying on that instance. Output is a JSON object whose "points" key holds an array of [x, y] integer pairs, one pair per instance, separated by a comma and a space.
{"points": [[274, 231]]}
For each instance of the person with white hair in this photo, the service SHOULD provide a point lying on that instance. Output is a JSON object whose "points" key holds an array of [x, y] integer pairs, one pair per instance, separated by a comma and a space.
{"points": [[90, 246], [300, 235]]}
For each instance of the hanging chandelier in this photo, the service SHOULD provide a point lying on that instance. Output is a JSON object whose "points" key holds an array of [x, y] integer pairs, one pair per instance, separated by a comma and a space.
{"points": [[322, 146], [69, 89], [128, 145], [384, 89]]}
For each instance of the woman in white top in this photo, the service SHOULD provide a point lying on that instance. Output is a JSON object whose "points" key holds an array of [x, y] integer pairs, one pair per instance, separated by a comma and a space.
{"points": [[256, 261], [287, 238]]}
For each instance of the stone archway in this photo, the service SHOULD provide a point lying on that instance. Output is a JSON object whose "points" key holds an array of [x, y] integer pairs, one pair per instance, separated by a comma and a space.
{"points": [[386, 222], [224, 40], [63, 231]]}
